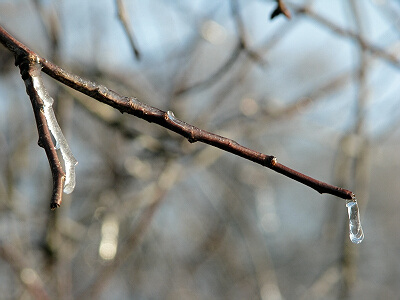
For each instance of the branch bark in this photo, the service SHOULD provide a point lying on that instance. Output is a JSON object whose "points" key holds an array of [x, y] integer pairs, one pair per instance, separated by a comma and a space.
{"points": [[166, 119]]}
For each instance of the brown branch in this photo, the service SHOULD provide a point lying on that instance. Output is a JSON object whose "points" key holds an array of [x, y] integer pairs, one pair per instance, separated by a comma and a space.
{"points": [[134, 107]]}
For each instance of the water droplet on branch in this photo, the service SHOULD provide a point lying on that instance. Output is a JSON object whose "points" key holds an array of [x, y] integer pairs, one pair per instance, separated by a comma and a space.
{"points": [[356, 232]]}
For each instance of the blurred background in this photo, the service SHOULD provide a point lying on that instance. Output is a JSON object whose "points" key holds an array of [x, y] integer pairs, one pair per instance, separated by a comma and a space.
{"points": [[155, 217]]}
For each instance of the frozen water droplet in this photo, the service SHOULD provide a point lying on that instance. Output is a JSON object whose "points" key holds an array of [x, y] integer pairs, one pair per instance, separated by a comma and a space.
{"points": [[69, 184], [356, 232], [171, 116]]}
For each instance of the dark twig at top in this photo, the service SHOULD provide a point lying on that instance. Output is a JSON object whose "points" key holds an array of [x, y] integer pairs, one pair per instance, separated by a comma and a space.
{"points": [[281, 9], [133, 106]]}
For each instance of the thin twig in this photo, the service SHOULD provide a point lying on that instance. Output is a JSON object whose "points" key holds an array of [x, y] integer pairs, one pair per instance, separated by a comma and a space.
{"points": [[240, 47], [243, 45], [217, 74], [373, 49], [123, 17], [134, 107]]}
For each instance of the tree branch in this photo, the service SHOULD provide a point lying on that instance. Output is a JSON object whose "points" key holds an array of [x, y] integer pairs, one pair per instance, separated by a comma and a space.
{"points": [[29, 69], [133, 106]]}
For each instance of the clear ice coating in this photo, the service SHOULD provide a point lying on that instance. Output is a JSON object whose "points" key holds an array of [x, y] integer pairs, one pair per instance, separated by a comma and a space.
{"points": [[61, 142], [356, 232], [171, 116]]}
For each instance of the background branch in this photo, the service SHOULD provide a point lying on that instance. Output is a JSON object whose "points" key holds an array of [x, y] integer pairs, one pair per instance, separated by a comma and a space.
{"points": [[365, 44], [123, 17]]}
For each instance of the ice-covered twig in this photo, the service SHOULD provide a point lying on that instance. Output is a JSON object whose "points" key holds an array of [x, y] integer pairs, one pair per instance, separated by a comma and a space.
{"points": [[61, 142], [137, 108], [28, 71]]}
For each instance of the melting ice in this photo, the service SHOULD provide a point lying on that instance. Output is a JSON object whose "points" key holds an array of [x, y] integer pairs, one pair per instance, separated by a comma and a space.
{"points": [[356, 232], [61, 142]]}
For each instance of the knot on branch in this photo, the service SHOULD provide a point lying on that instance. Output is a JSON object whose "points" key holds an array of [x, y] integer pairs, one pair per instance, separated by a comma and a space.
{"points": [[270, 161]]}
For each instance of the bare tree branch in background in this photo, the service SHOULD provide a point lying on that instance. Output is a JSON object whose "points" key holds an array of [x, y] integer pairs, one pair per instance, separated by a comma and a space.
{"points": [[123, 17], [373, 49], [241, 47], [28, 277]]}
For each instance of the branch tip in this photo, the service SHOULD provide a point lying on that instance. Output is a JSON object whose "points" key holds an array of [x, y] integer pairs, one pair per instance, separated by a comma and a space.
{"points": [[53, 206]]}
